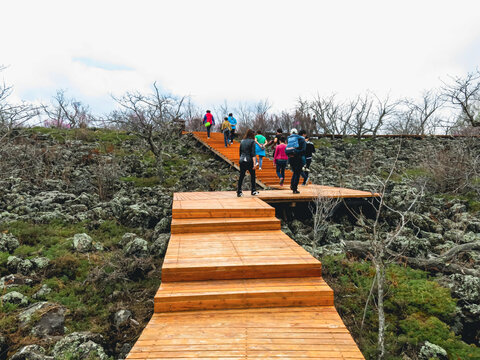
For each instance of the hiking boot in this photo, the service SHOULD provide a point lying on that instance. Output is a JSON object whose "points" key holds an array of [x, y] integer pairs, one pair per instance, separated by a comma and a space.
{"points": [[296, 192], [255, 193], [281, 181], [239, 194]]}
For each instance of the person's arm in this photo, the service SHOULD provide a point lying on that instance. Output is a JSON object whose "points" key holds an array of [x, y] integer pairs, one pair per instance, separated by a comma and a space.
{"points": [[253, 154], [275, 156]]}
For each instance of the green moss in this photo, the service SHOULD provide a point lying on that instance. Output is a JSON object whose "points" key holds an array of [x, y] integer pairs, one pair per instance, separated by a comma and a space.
{"points": [[88, 135], [417, 329], [417, 308], [323, 142], [142, 181], [416, 173], [473, 202], [412, 292], [109, 233], [350, 140]]}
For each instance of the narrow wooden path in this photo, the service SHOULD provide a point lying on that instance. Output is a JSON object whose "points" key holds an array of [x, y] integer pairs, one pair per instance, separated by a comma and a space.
{"points": [[265, 177], [234, 286]]}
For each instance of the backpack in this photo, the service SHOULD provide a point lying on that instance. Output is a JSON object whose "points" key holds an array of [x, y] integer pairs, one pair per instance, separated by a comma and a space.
{"points": [[292, 146]]}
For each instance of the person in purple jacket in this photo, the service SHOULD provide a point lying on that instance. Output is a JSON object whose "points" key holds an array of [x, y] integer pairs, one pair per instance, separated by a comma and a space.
{"points": [[208, 121]]}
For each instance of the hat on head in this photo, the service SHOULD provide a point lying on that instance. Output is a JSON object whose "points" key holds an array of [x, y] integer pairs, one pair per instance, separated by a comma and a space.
{"points": [[294, 131]]}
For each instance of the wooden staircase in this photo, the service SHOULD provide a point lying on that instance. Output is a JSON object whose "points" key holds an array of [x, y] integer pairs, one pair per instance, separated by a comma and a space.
{"points": [[267, 176], [234, 286]]}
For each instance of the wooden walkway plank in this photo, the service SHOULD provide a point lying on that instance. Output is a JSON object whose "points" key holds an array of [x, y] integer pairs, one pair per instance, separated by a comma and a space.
{"points": [[234, 288]]}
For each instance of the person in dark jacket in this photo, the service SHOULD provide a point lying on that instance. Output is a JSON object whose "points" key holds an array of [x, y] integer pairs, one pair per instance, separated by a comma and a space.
{"points": [[208, 121], [309, 150], [295, 158], [248, 162], [276, 140]]}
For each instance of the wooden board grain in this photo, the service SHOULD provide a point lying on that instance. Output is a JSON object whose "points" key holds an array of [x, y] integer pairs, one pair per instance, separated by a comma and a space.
{"points": [[234, 286]]}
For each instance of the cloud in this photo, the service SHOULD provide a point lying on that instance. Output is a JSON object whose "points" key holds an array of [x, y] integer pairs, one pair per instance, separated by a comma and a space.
{"points": [[238, 51]]}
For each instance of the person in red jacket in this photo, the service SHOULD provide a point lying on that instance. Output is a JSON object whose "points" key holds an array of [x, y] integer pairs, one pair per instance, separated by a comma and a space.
{"points": [[208, 121]]}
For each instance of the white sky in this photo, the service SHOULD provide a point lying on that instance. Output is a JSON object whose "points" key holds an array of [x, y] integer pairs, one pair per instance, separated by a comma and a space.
{"points": [[237, 51]]}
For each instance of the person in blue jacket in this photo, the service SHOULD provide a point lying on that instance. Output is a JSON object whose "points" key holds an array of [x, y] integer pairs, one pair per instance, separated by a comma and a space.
{"points": [[233, 123], [295, 151]]}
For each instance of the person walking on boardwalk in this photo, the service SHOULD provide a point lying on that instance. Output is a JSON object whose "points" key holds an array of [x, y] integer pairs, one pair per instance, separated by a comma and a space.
{"points": [[232, 122], [295, 151], [280, 159], [276, 140], [260, 142], [208, 121], [226, 128], [309, 150], [248, 162]]}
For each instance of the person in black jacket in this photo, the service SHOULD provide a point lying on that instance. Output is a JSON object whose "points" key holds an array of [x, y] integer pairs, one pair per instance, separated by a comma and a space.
{"points": [[309, 150], [248, 162]]}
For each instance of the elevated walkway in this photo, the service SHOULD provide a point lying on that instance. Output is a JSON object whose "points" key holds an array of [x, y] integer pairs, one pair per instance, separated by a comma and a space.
{"points": [[267, 177], [234, 286]]}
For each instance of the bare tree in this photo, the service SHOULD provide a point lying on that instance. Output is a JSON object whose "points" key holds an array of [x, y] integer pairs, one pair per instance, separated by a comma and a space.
{"points": [[151, 117], [283, 121], [359, 115], [378, 245], [383, 110], [322, 209], [254, 115], [192, 115], [65, 112], [328, 114], [12, 115], [417, 117], [464, 92]]}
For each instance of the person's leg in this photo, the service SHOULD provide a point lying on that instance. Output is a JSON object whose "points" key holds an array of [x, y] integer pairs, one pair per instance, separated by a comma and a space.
{"points": [[208, 131], [225, 138], [306, 172], [260, 161], [283, 165], [296, 164], [232, 135], [243, 169], [278, 169], [253, 184]]}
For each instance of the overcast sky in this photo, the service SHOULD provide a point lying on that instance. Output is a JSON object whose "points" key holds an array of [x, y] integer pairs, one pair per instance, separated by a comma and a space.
{"points": [[237, 51]]}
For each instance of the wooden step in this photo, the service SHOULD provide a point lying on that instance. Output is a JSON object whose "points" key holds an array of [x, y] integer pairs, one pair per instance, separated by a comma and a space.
{"points": [[221, 208], [237, 294], [236, 255], [295, 333], [183, 226]]}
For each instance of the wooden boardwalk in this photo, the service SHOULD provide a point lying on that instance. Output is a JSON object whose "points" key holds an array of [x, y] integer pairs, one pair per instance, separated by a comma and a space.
{"points": [[234, 286], [265, 177]]}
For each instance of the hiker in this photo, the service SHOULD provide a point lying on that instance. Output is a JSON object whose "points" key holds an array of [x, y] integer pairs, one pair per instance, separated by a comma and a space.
{"points": [[248, 162], [280, 159], [309, 150], [276, 140], [295, 151], [208, 121], [232, 122], [303, 174], [226, 128], [260, 142]]}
